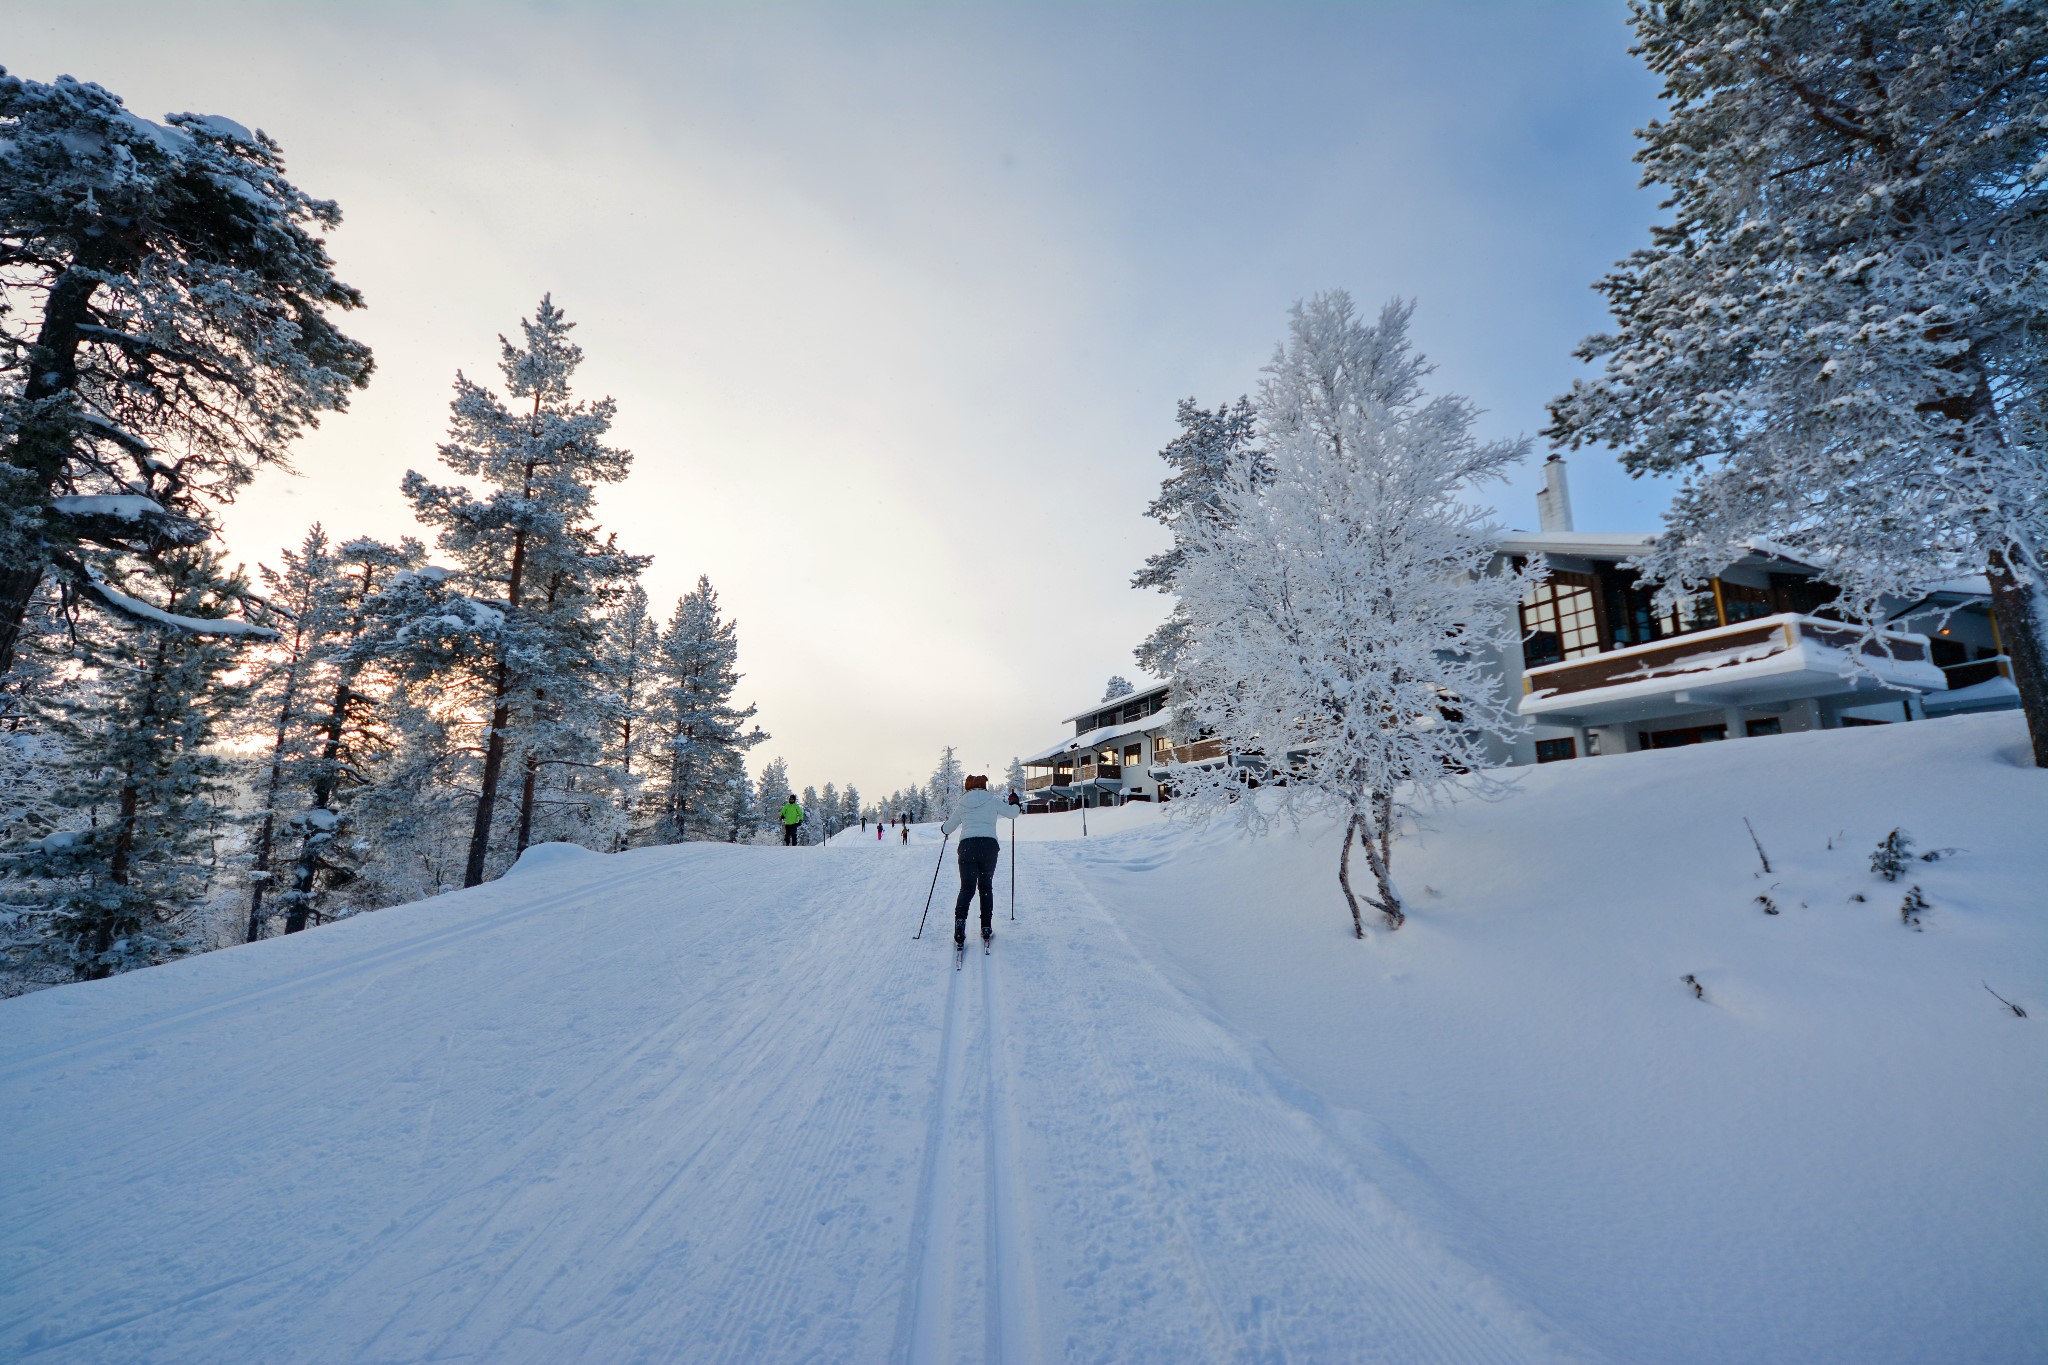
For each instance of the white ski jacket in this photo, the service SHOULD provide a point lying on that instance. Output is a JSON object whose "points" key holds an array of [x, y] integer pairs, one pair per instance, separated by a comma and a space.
{"points": [[978, 813]]}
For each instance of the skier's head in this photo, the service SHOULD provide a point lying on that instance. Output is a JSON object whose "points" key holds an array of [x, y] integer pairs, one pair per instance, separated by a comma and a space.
{"points": [[978, 783], [792, 798]]}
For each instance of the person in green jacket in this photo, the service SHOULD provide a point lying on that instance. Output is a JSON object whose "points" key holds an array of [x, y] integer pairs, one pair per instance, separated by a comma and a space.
{"points": [[792, 816]]}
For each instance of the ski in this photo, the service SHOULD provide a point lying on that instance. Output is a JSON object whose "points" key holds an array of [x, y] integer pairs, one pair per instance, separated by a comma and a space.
{"points": [[984, 947], [959, 955]]}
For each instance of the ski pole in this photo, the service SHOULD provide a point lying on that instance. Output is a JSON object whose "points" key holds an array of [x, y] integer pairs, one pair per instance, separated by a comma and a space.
{"points": [[1013, 870], [934, 888]]}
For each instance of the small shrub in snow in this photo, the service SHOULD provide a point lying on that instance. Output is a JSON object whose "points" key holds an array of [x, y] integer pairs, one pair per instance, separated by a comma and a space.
{"points": [[1699, 992], [1770, 906], [1893, 852], [1910, 909]]}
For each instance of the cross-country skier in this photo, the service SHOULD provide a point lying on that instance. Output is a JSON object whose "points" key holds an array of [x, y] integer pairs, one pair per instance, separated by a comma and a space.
{"points": [[976, 820], [792, 816]]}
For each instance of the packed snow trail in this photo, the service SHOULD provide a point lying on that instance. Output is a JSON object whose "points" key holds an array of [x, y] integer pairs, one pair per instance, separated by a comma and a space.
{"points": [[697, 1103]]}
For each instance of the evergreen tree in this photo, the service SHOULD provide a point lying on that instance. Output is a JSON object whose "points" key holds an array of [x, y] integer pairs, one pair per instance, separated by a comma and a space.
{"points": [[702, 735], [328, 738], [166, 292], [1344, 626], [831, 819], [536, 578], [943, 791], [1838, 337], [773, 790], [1013, 777], [809, 833], [117, 882], [1119, 686], [1210, 441], [630, 659]]}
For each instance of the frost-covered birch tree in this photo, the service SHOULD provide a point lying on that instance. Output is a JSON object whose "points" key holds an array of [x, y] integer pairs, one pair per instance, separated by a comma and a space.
{"points": [[166, 332], [1841, 336], [1343, 625]]}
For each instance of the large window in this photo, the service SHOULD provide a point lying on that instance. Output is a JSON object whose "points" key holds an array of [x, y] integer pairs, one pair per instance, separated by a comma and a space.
{"points": [[1632, 611], [1133, 755], [1744, 603], [1559, 620]]}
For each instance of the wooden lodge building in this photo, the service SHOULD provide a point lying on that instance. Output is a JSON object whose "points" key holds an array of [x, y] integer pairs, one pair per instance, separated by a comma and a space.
{"points": [[1603, 670]]}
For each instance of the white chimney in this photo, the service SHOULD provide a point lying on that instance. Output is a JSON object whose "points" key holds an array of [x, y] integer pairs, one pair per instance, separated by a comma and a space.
{"points": [[1554, 500]]}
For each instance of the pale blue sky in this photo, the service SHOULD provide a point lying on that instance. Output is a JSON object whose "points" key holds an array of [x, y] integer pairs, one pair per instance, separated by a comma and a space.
{"points": [[897, 301]]}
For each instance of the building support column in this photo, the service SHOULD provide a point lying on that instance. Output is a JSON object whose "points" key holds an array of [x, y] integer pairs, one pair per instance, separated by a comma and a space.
{"points": [[1731, 716]]}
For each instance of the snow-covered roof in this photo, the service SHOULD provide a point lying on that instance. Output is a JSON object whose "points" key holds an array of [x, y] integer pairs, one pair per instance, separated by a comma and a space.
{"points": [[1159, 720], [1125, 700], [1611, 545]]}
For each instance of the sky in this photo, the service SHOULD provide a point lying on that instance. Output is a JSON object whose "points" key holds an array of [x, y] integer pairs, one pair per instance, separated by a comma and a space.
{"points": [[897, 301]]}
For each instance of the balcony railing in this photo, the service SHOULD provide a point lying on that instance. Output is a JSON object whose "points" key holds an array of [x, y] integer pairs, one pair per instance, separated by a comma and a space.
{"points": [[1041, 782], [1692, 657], [1970, 674]]}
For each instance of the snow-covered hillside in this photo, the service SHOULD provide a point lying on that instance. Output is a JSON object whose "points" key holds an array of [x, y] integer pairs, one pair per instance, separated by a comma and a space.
{"points": [[713, 1103]]}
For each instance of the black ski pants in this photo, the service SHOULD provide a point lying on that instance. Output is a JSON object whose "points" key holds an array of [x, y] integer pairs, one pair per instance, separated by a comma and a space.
{"points": [[789, 836], [977, 871]]}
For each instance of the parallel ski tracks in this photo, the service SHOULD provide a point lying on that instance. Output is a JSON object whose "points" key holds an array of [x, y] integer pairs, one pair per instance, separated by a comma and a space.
{"points": [[953, 1196]]}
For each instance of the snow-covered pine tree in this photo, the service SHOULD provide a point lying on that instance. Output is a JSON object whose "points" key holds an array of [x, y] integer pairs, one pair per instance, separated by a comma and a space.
{"points": [[139, 787], [1013, 777], [741, 819], [1838, 338], [769, 794], [809, 801], [1209, 441], [534, 574], [831, 819], [851, 807], [166, 333], [1343, 625], [629, 660], [1118, 686], [314, 699], [942, 792], [284, 676], [698, 729]]}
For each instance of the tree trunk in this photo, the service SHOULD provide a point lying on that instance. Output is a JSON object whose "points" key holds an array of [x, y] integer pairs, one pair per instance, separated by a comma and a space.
{"points": [[501, 714], [262, 861], [2019, 600], [526, 789], [1378, 847], [487, 793], [42, 445], [1344, 879]]}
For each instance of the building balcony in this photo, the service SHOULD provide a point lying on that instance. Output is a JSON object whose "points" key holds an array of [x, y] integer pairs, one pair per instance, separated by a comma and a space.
{"points": [[1776, 659]]}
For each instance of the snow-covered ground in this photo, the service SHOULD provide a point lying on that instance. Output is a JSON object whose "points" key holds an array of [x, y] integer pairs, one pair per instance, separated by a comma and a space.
{"points": [[711, 1103]]}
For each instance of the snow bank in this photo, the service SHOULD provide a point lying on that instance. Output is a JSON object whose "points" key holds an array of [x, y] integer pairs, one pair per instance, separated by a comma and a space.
{"points": [[1837, 1155], [549, 857]]}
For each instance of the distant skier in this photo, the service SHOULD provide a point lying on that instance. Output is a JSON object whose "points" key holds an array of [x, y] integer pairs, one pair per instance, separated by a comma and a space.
{"points": [[878, 831], [906, 831], [863, 824], [976, 820], [792, 816]]}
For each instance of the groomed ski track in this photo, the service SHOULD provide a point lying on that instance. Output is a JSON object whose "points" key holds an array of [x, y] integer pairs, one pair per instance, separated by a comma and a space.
{"points": [[693, 1104]]}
